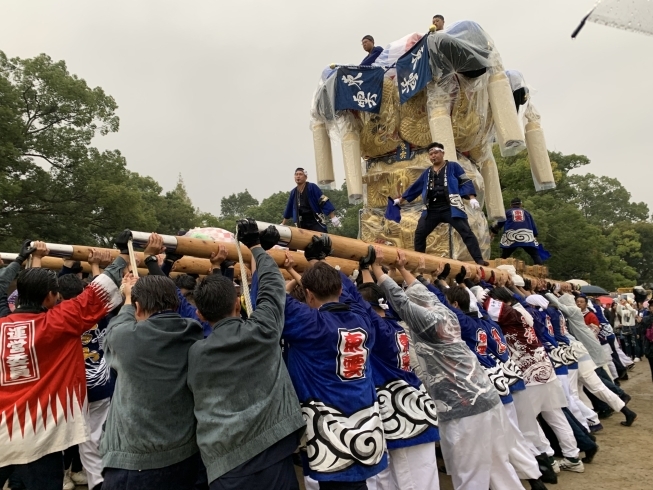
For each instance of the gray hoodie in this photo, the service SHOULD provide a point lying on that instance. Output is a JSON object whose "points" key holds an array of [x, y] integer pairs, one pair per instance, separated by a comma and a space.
{"points": [[576, 323]]}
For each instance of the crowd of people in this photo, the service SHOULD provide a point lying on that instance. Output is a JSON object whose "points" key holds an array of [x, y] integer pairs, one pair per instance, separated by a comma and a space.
{"points": [[381, 380]]}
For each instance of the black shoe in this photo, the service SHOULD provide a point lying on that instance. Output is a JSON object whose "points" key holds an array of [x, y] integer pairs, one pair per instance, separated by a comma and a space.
{"points": [[616, 382], [589, 455], [605, 414], [537, 484], [548, 475], [630, 417], [626, 398], [484, 263], [631, 367], [624, 376]]}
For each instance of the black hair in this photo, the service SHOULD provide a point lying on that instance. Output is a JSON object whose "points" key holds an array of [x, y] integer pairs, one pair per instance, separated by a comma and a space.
{"points": [[371, 293], [435, 144], [155, 294], [439, 16], [515, 200], [298, 293], [369, 38], [34, 285], [322, 280], [502, 294], [186, 281], [460, 295], [215, 297], [582, 296], [70, 286]]}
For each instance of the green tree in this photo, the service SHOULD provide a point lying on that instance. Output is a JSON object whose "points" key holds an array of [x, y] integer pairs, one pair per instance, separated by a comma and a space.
{"points": [[237, 205], [604, 200]]}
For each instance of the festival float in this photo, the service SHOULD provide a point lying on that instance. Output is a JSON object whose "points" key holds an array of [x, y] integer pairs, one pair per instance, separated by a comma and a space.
{"points": [[447, 86]]}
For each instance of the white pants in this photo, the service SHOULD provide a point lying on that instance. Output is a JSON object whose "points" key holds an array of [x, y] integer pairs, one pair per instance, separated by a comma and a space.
{"points": [[522, 453], [587, 413], [625, 360], [409, 468], [563, 431], [89, 451], [590, 380], [571, 401], [528, 424], [613, 369], [476, 449]]}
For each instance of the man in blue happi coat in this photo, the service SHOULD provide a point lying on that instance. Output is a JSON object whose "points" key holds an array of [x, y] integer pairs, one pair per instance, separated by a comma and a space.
{"points": [[308, 206], [443, 188], [373, 52], [519, 231]]}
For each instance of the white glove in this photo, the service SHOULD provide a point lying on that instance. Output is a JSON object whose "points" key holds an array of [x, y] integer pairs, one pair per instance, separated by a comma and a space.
{"points": [[474, 203], [397, 201], [335, 221]]}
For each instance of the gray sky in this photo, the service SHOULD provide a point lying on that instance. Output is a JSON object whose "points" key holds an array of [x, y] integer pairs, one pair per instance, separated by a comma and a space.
{"points": [[220, 91]]}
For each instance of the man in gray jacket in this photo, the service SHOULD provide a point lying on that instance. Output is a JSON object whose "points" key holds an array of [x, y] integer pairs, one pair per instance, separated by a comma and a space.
{"points": [[248, 416], [149, 436]]}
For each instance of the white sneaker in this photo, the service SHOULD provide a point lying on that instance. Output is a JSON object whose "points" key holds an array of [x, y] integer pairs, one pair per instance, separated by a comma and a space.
{"points": [[68, 484], [79, 478], [556, 466], [637, 359], [568, 465]]}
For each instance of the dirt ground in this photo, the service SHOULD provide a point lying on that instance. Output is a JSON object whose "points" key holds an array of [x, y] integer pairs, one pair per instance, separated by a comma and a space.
{"points": [[624, 460]]}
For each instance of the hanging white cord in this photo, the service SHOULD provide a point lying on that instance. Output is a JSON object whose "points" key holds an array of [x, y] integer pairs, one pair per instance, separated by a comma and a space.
{"points": [[132, 258], [244, 287]]}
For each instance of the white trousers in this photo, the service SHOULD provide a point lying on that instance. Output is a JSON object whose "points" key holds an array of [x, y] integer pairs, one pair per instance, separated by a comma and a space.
{"points": [[587, 413], [571, 401], [476, 451], [89, 451], [528, 424], [563, 431], [590, 380], [613, 369], [625, 360], [522, 453], [409, 468]]}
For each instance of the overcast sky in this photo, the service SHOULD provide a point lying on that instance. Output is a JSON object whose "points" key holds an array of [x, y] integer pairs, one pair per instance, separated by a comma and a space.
{"points": [[220, 91]]}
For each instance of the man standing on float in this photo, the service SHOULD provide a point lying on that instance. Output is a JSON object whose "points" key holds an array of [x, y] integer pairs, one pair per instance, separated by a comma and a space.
{"points": [[519, 232], [443, 188], [308, 206]]}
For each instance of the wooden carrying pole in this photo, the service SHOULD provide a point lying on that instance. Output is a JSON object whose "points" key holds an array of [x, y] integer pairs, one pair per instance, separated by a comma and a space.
{"points": [[187, 265], [346, 252]]}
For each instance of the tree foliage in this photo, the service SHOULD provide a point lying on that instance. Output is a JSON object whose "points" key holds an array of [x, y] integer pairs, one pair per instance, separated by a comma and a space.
{"points": [[53, 184]]}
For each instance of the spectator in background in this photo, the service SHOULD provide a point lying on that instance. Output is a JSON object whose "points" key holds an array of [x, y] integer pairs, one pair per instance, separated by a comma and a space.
{"points": [[373, 52]]}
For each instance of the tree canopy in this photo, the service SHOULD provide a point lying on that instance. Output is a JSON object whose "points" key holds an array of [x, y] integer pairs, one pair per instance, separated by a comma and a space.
{"points": [[56, 186]]}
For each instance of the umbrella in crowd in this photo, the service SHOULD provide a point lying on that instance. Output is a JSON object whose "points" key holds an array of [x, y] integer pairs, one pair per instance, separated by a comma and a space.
{"points": [[593, 290]]}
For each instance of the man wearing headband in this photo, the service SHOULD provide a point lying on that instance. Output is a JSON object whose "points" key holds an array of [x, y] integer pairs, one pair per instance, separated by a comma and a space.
{"points": [[443, 188], [307, 205], [519, 232]]}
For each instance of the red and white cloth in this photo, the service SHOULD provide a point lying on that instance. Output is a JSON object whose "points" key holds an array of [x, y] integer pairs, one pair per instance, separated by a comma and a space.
{"points": [[42, 375]]}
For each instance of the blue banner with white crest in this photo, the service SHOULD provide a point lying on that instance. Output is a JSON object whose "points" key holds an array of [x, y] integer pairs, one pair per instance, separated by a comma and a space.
{"points": [[359, 88], [413, 70]]}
